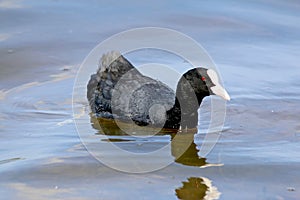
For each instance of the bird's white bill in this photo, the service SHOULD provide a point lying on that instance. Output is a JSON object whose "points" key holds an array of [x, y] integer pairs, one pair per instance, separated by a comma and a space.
{"points": [[220, 91]]}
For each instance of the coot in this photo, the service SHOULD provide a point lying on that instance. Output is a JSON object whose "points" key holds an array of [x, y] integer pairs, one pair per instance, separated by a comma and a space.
{"points": [[119, 91]]}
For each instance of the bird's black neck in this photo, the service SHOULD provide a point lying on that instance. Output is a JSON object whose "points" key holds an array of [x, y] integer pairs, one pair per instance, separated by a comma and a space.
{"points": [[173, 116], [185, 116]]}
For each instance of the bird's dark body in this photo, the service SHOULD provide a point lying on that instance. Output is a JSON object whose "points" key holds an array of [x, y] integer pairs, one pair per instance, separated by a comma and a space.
{"points": [[120, 91]]}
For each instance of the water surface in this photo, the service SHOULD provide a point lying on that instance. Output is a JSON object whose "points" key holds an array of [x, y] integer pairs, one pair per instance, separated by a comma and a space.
{"points": [[255, 45]]}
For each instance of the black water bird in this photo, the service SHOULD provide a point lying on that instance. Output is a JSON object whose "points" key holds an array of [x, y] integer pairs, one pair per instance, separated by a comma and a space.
{"points": [[119, 91]]}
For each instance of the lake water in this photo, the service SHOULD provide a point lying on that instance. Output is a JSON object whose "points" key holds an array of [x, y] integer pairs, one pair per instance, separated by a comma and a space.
{"points": [[256, 48]]}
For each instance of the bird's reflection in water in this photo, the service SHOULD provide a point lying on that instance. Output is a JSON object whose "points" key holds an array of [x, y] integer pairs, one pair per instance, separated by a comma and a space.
{"points": [[183, 149], [197, 188]]}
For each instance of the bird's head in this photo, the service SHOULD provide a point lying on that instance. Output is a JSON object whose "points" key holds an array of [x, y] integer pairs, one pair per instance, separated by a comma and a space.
{"points": [[204, 82]]}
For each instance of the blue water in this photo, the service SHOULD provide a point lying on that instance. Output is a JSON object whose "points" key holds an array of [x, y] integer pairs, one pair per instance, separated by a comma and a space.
{"points": [[255, 46]]}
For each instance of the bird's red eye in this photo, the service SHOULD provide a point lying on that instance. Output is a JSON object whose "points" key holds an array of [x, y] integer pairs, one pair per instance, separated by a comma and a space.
{"points": [[203, 78]]}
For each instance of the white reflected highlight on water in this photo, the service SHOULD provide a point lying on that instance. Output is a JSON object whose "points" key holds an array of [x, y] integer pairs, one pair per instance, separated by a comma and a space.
{"points": [[24, 191], [11, 4], [4, 37], [212, 192]]}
